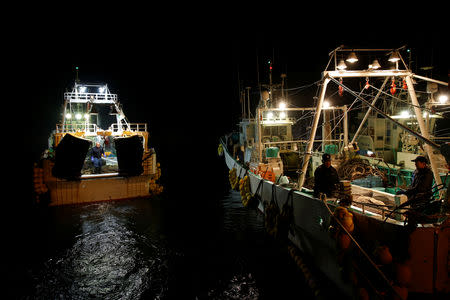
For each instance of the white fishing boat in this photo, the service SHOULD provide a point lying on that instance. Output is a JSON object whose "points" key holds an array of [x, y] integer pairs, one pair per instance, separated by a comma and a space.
{"points": [[66, 175], [360, 246]]}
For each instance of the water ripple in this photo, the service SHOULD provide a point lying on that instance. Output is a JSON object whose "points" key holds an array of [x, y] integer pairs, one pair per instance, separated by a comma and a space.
{"points": [[106, 261]]}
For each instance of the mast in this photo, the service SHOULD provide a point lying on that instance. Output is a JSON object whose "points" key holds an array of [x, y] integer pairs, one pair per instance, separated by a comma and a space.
{"points": [[424, 131], [308, 152]]}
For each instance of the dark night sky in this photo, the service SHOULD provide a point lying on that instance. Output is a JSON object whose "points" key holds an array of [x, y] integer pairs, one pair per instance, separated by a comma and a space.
{"points": [[179, 72]]}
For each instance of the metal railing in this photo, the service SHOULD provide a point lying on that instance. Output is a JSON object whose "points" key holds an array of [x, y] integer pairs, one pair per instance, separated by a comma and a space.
{"points": [[93, 128], [62, 128], [84, 97], [136, 127]]}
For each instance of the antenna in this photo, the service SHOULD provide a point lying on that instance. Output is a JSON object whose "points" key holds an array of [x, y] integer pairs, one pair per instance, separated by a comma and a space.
{"points": [[77, 80]]}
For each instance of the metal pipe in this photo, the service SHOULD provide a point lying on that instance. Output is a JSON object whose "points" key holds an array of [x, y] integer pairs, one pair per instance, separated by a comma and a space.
{"points": [[368, 111], [345, 126], [430, 80], [258, 121], [308, 153], [423, 130]]}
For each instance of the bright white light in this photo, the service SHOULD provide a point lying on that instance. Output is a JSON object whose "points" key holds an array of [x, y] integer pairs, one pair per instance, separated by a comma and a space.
{"points": [[369, 152], [282, 115], [352, 58], [270, 115], [69, 116], [404, 114], [78, 116], [326, 104], [86, 116], [342, 66], [375, 64], [394, 57], [101, 89], [82, 89], [282, 105], [443, 98]]}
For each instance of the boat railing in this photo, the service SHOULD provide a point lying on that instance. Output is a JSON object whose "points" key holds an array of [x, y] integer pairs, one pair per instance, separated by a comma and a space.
{"points": [[93, 128], [291, 145], [75, 97], [136, 127], [63, 128]]}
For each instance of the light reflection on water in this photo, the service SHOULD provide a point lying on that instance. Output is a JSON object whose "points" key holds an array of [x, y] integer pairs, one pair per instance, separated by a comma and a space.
{"points": [[111, 258], [132, 250]]}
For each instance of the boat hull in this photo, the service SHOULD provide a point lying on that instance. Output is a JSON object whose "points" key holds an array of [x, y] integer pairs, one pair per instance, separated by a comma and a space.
{"points": [[427, 248], [98, 187], [85, 190]]}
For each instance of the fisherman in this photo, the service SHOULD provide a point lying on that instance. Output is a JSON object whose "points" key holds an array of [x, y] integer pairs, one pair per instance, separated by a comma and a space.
{"points": [[326, 177], [419, 193], [96, 157]]}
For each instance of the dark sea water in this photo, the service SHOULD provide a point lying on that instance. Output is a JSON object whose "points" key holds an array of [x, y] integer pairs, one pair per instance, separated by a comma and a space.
{"points": [[195, 241]]}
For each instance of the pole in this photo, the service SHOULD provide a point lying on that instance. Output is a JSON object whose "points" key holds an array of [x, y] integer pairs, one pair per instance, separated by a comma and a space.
{"points": [[248, 102], [368, 111], [326, 128], [423, 130], [430, 79], [308, 153], [258, 121], [345, 126]]}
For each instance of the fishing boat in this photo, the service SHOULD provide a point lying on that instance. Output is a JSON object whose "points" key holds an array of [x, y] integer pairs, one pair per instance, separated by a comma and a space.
{"points": [[128, 167], [361, 239]]}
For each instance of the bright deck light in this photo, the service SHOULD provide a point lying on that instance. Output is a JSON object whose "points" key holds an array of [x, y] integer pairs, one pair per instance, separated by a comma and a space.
{"points": [[404, 114], [352, 58], [282, 105], [270, 115], [78, 116], [68, 116], [342, 66], [326, 104], [394, 57], [282, 115], [443, 99], [375, 64]]}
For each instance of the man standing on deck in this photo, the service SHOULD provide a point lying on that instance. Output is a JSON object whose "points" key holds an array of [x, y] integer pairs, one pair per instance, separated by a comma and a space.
{"points": [[96, 156], [325, 177], [419, 193]]}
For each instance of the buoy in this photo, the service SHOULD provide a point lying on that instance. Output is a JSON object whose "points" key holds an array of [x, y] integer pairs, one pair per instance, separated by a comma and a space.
{"points": [[383, 255], [344, 240], [363, 294], [234, 180], [340, 212], [401, 291], [347, 222], [403, 274]]}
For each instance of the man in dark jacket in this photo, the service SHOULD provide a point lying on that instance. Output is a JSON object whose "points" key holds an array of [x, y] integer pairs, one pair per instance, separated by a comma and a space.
{"points": [[96, 156], [325, 177], [419, 193]]}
